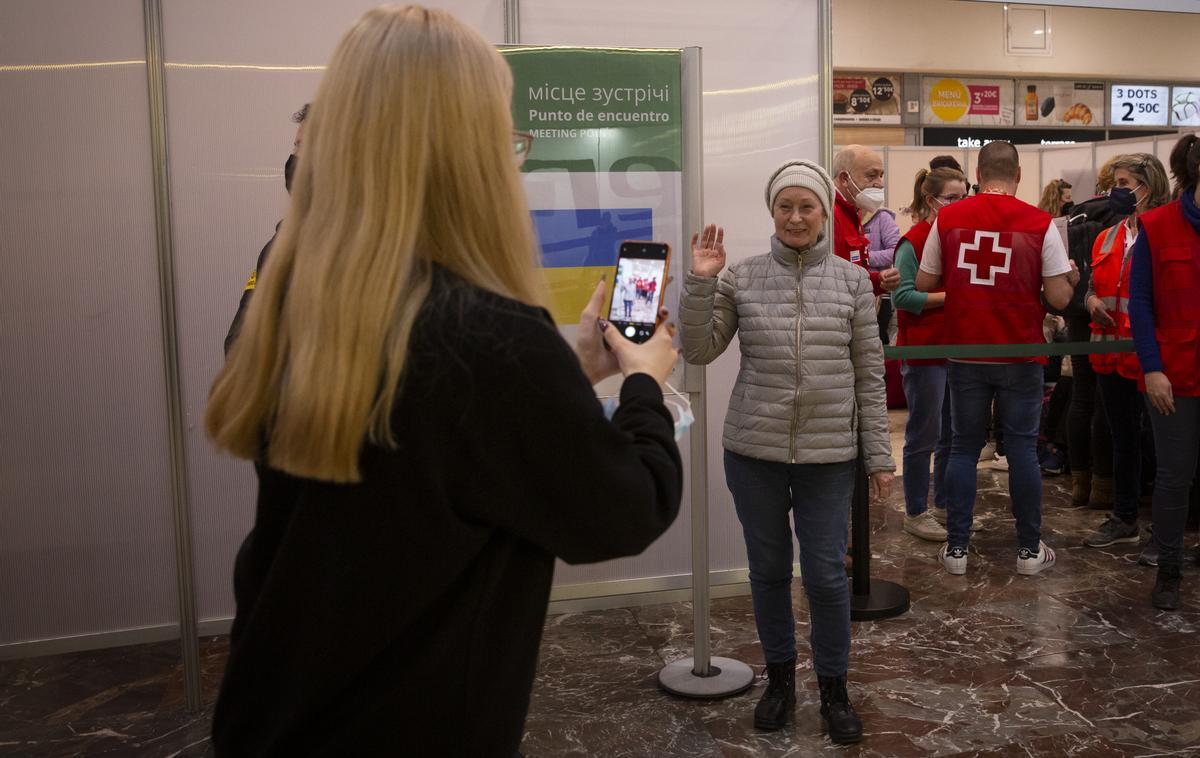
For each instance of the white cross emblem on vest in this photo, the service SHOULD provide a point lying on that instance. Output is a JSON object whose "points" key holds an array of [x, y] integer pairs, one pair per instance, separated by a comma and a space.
{"points": [[986, 258]]}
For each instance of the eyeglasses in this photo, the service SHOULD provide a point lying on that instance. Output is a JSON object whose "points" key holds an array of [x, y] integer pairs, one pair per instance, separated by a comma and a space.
{"points": [[522, 143], [947, 199]]}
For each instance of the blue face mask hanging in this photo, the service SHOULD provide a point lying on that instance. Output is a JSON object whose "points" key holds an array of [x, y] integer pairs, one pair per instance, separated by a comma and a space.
{"points": [[674, 399]]}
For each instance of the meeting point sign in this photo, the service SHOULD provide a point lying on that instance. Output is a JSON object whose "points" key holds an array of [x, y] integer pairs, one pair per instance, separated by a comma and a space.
{"points": [[599, 110]]}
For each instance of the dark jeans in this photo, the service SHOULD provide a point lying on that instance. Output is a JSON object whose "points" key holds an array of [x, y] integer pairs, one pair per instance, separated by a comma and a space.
{"points": [[1123, 405], [1089, 441], [926, 433], [1017, 390], [1057, 413], [1176, 443], [884, 317], [817, 496]]}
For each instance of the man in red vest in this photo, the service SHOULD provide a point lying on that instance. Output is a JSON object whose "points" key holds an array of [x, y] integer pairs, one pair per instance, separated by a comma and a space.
{"points": [[858, 181], [994, 254]]}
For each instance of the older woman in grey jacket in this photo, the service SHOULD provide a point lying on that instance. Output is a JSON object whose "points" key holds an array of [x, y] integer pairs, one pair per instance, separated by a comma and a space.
{"points": [[810, 386]]}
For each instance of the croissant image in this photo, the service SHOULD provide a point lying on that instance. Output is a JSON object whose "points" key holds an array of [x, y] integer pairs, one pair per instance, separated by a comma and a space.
{"points": [[1078, 112]]}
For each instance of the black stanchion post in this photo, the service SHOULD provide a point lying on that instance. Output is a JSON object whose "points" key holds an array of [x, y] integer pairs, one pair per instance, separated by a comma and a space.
{"points": [[869, 598]]}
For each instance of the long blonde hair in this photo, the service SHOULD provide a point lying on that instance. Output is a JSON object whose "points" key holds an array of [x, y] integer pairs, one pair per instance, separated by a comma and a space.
{"points": [[407, 161]]}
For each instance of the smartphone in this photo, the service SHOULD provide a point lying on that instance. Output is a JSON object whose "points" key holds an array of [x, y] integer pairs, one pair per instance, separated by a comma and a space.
{"points": [[637, 293]]}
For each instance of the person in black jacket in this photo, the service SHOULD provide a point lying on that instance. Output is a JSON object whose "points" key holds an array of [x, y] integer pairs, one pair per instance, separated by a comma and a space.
{"points": [[289, 170], [426, 443]]}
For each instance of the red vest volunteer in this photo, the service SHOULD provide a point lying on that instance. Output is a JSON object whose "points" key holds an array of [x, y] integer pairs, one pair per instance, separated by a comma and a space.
{"points": [[850, 241], [996, 251], [1110, 283], [923, 328], [1175, 258]]}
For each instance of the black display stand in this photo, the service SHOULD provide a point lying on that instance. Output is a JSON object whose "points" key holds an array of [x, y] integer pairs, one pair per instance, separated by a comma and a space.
{"points": [[870, 599]]}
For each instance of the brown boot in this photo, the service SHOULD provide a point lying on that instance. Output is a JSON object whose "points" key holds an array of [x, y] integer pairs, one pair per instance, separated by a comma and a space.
{"points": [[1102, 494], [1081, 488]]}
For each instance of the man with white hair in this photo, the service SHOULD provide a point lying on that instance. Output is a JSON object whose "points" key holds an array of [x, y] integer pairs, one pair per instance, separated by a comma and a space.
{"points": [[858, 181]]}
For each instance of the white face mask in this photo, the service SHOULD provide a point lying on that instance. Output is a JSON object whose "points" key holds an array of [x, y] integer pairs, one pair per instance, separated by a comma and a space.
{"points": [[682, 406], [869, 199]]}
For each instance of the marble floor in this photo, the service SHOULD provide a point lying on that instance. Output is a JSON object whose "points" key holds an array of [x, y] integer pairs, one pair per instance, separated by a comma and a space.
{"points": [[1074, 662]]}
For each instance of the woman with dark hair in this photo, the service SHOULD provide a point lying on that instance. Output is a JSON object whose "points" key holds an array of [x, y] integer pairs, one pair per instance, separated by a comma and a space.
{"points": [[1140, 185], [920, 320], [1165, 316]]}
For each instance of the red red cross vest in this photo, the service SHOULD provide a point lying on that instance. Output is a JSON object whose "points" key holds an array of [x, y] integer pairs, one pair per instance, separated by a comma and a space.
{"points": [[992, 272], [1175, 257], [923, 328], [1110, 280], [850, 240]]}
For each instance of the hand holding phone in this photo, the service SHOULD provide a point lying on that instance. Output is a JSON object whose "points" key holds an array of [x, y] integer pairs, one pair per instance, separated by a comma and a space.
{"points": [[639, 288], [655, 357]]}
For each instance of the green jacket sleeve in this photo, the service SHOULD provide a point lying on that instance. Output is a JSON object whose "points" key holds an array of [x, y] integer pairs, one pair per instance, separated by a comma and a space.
{"points": [[907, 296]]}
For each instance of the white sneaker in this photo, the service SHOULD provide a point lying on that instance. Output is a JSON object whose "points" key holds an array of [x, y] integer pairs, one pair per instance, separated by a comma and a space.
{"points": [[954, 560], [1030, 563], [925, 526], [939, 515]]}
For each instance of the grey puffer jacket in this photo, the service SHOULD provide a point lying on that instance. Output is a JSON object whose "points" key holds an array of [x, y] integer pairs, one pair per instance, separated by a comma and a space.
{"points": [[812, 363]]}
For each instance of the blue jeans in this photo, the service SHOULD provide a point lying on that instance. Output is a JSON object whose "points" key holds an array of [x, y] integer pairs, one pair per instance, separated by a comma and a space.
{"points": [[1017, 390], [1176, 443], [818, 498], [927, 432]]}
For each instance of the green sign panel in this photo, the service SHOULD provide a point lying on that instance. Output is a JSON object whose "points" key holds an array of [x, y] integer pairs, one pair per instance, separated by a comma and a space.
{"points": [[593, 109]]}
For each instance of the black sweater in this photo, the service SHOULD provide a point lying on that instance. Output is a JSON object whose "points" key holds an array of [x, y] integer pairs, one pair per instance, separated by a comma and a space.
{"points": [[402, 615]]}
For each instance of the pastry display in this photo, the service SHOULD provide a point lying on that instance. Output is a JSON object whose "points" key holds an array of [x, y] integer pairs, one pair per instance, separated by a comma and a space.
{"points": [[1078, 113]]}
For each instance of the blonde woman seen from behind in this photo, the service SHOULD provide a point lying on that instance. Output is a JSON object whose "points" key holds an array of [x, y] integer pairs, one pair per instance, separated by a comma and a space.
{"points": [[426, 444]]}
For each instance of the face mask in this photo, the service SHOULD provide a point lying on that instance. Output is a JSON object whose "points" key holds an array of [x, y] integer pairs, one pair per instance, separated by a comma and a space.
{"points": [[869, 199], [289, 170], [1066, 209], [676, 400], [1123, 200]]}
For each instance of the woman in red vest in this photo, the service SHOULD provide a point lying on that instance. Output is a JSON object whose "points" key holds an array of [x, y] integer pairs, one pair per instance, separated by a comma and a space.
{"points": [[919, 318], [1139, 185], [1164, 312]]}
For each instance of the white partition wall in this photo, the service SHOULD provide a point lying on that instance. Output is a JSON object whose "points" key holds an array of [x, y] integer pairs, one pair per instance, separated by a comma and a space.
{"points": [[86, 541], [760, 108], [235, 74]]}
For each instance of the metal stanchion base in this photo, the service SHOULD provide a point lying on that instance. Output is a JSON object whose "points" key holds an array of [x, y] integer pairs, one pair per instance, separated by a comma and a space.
{"points": [[726, 677], [886, 600]]}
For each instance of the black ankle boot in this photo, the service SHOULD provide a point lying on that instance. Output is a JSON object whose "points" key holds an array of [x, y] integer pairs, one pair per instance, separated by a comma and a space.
{"points": [[775, 708], [1166, 587], [841, 721]]}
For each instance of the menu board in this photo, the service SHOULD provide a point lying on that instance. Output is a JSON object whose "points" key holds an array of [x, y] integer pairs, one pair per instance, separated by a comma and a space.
{"points": [[866, 98], [1045, 102], [986, 102], [1185, 106], [1140, 105]]}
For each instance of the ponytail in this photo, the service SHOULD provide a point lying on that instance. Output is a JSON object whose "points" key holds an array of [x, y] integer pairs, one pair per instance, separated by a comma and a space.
{"points": [[919, 207], [930, 183], [1185, 163]]}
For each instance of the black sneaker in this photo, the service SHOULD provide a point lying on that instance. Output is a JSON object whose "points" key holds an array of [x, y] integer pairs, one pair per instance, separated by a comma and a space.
{"points": [[1166, 588], [1149, 556], [1112, 531]]}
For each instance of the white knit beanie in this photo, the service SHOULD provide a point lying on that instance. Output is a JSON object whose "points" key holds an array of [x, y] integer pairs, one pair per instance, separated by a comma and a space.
{"points": [[804, 174]]}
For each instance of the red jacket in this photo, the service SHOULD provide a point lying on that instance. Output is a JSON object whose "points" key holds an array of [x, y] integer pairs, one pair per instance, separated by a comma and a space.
{"points": [[1175, 258], [992, 272], [1110, 280], [850, 241], [923, 328]]}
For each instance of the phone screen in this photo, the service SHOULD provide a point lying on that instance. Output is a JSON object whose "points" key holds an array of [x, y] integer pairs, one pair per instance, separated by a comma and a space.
{"points": [[639, 287]]}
